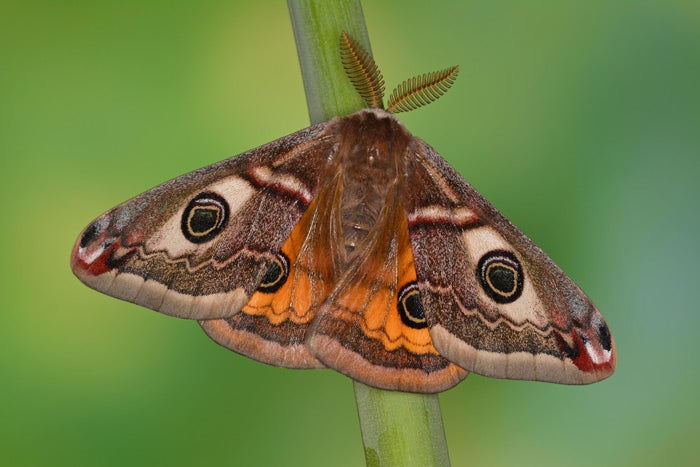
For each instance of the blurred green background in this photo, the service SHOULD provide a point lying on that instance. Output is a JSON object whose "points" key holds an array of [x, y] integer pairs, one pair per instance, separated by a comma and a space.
{"points": [[579, 120]]}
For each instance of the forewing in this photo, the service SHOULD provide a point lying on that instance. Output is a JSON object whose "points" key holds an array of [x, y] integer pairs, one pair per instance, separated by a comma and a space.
{"points": [[272, 326], [198, 246], [494, 302]]}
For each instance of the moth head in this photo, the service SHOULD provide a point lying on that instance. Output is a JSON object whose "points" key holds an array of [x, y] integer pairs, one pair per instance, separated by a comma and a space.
{"points": [[365, 76]]}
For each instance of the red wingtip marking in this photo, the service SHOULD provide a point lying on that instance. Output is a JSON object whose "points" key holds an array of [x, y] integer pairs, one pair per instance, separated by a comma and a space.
{"points": [[592, 357], [95, 258]]}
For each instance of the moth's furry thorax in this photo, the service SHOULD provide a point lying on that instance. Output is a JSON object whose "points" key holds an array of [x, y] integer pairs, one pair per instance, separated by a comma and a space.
{"points": [[371, 150]]}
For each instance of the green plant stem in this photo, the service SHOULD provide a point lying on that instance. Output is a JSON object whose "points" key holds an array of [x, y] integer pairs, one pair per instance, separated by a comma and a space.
{"points": [[317, 25], [401, 428], [398, 428]]}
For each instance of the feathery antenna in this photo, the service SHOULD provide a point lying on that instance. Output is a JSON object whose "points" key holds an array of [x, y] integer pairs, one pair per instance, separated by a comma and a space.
{"points": [[421, 90], [369, 83], [362, 71]]}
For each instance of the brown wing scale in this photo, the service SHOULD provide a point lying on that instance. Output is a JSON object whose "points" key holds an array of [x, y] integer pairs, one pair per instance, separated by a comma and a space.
{"points": [[273, 325], [198, 245], [494, 302], [372, 327]]}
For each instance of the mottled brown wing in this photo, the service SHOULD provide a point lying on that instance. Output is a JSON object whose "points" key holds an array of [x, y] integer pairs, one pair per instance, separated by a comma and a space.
{"points": [[199, 245], [371, 326], [494, 302], [272, 326]]}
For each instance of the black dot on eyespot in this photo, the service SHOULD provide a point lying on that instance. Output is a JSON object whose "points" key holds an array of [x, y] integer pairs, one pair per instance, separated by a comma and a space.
{"points": [[89, 235], [410, 306], [204, 217], [604, 336], [501, 276], [276, 275]]}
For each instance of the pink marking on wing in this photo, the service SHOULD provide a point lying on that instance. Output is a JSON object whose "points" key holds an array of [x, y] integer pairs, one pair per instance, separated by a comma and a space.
{"points": [[590, 356], [284, 183], [437, 215], [98, 256]]}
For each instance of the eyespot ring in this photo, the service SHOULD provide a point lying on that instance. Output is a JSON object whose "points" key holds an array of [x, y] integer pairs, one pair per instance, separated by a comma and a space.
{"points": [[501, 276], [276, 275], [410, 307], [204, 217]]}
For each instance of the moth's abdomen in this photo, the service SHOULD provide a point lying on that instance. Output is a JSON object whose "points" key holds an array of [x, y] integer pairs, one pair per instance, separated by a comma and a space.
{"points": [[372, 145]]}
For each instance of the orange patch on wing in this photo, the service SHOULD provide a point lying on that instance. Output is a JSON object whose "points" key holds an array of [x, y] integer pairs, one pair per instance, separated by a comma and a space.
{"points": [[381, 319], [310, 272], [360, 331]]}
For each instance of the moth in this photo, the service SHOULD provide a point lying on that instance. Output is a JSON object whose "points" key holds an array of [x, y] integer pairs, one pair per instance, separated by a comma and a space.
{"points": [[351, 245]]}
